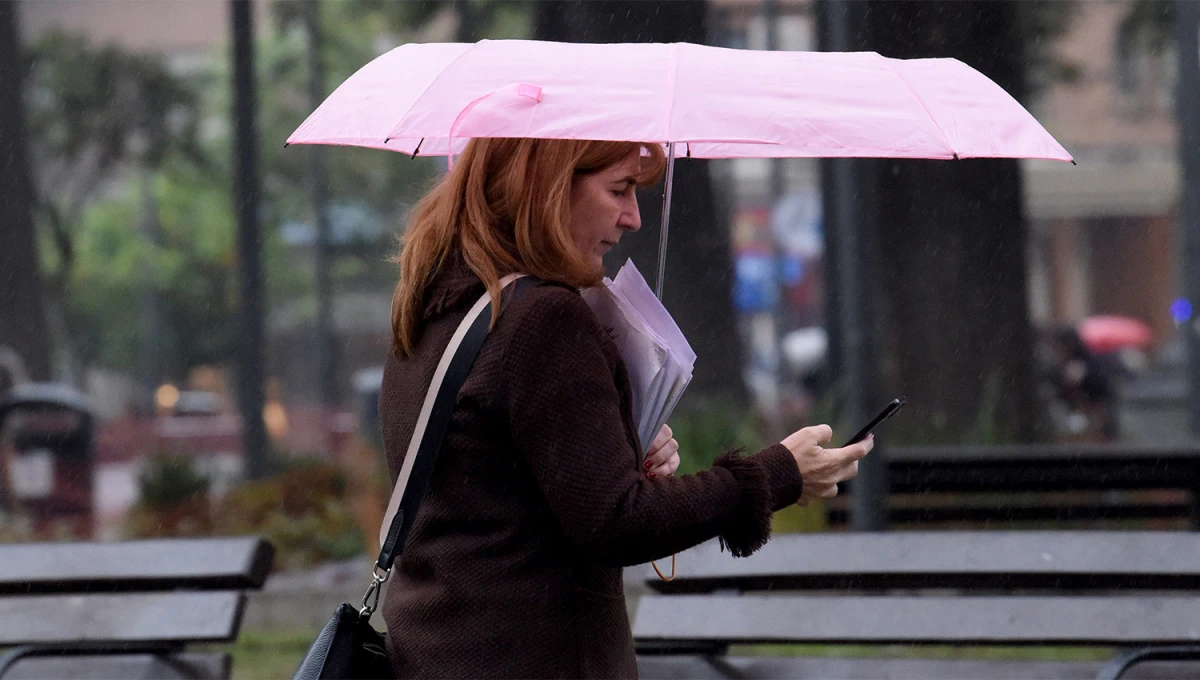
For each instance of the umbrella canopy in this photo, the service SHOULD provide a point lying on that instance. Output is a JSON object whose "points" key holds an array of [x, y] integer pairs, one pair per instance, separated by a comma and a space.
{"points": [[429, 99], [1103, 334]]}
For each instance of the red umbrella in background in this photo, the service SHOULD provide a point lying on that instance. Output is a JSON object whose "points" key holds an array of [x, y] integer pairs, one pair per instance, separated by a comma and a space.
{"points": [[1104, 334]]}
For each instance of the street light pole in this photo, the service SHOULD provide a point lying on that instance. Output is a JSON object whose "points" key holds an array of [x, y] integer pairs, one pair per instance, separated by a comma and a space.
{"points": [[1187, 26]]}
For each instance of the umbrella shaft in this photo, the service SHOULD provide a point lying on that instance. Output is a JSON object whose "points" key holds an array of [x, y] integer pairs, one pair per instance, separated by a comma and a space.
{"points": [[666, 221]]}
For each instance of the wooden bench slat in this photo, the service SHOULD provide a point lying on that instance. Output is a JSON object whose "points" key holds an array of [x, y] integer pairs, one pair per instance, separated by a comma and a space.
{"points": [[766, 619], [167, 564], [1076, 560], [121, 618], [1071, 512], [991, 469], [773, 667], [1026, 453], [107, 667]]}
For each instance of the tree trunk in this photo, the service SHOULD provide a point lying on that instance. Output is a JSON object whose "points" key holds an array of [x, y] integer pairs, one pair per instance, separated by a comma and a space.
{"points": [[699, 281], [22, 314], [958, 341], [247, 196]]}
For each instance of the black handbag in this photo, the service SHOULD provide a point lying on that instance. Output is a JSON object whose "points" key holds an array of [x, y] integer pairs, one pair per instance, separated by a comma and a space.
{"points": [[349, 646]]}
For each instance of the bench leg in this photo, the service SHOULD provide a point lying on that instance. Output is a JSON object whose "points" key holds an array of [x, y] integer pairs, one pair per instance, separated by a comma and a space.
{"points": [[722, 666], [1114, 669], [12, 656]]}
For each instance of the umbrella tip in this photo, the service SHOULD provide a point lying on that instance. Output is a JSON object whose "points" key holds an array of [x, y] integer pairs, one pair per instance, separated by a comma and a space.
{"points": [[956, 157], [1073, 162], [387, 139], [285, 144]]}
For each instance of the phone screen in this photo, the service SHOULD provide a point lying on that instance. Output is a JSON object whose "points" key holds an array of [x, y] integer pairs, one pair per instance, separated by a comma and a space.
{"points": [[890, 410]]}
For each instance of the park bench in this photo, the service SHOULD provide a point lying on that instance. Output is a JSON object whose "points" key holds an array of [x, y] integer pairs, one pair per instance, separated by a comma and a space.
{"points": [[992, 485], [1136, 592], [125, 609]]}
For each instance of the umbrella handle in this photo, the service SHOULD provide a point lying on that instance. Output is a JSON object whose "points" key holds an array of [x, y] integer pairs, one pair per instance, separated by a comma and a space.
{"points": [[666, 221]]}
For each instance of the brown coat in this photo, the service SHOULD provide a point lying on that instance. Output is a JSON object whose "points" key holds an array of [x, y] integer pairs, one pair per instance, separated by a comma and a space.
{"points": [[513, 566]]}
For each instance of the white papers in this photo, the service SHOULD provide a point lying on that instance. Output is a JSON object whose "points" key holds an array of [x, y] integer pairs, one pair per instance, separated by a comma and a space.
{"points": [[656, 354]]}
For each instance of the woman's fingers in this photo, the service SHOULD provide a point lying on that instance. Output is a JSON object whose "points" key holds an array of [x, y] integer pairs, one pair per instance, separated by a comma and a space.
{"points": [[810, 494], [849, 472], [664, 435], [668, 467], [658, 457]]}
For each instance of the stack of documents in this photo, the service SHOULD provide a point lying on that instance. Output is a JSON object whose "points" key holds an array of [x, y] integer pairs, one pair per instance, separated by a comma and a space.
{"points": [[656, 354]]}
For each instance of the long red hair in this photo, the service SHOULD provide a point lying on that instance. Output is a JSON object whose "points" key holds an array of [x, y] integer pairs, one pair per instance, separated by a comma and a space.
{"points": [[505, 205]]}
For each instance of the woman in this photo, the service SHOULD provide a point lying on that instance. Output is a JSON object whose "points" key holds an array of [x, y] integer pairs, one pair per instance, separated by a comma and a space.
{"points": [[513, 566]]}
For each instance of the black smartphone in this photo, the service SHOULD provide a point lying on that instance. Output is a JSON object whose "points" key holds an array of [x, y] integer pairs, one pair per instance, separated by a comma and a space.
{"points": [[890, 410]]}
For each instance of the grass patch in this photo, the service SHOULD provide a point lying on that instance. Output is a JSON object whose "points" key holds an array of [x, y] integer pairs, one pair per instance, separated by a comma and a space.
{"points": [[273, 654]]}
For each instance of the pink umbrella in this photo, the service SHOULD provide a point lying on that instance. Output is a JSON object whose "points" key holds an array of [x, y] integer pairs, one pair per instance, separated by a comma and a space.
{"points": [[1103, 334], [702, 102], [720, 103]]}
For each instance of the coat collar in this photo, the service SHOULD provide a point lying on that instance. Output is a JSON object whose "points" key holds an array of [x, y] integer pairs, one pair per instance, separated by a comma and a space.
{"points": [[453, 285]]}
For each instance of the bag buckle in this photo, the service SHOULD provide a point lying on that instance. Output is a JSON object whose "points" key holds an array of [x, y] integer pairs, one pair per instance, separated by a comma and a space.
{"points": [[370, 601]]}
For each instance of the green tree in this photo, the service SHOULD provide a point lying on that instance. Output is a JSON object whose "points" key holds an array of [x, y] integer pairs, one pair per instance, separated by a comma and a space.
{"points": [[96, 114], [90, 143], [190, 265]]}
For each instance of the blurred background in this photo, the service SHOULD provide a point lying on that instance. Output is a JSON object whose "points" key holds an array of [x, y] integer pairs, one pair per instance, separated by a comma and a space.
{"points": [[212, 309]]}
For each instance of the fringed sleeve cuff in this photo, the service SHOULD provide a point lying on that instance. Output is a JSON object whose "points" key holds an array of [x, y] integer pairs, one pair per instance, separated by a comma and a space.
{"points": [[767, 481]]}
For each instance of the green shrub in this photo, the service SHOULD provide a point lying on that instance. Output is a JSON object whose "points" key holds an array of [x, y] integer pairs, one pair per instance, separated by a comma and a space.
{"points": [[706, 431], [172, 500], [303, 510], [170, 480], [709, 430]]}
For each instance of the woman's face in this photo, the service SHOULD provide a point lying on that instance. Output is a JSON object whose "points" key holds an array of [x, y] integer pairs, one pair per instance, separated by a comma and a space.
{"points": [[604, 207]]}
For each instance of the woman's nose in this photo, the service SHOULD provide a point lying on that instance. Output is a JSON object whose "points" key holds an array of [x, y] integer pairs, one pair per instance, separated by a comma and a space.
{"points": [[631, 218]]}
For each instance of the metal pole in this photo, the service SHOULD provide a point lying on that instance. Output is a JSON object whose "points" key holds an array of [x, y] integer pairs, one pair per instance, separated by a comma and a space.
{"points": [[1187, 14], [251, 345], [322, 248], [666, 221], [771, 17], [851, 236], [1187, 100], [775, 191]]}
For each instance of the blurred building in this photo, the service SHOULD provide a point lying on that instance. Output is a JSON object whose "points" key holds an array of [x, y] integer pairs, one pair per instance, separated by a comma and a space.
{"points": [[182, 30], [1103, 234]]}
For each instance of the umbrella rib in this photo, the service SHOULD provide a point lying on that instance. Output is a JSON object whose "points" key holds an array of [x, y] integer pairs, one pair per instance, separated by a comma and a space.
{"points": [[431, 82], [919, 102]]}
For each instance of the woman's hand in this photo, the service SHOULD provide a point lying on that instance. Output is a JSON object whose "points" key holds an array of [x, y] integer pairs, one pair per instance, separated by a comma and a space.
{"points": [[662, 460], [822, 469]]}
